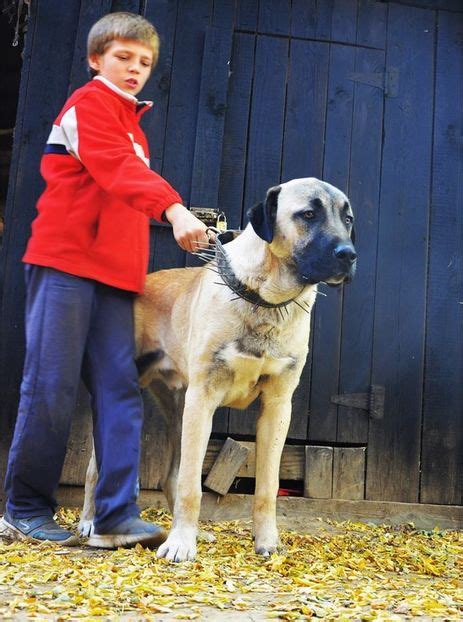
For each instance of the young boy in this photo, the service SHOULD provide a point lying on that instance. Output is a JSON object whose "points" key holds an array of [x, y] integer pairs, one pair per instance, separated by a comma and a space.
{"points": [[86, 259]]}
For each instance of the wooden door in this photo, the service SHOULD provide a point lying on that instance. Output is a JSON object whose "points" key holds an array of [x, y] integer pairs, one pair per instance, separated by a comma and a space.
{"points": [[366, 95]]}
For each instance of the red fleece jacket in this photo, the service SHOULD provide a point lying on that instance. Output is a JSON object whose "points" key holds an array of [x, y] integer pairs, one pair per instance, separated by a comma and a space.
{"points": [[93, 217]]}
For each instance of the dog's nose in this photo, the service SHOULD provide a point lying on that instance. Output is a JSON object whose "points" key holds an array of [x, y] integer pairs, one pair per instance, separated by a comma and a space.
{"points": [[345, 253]]}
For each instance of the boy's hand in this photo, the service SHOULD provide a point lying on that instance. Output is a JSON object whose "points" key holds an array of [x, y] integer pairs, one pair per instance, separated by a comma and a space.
{"points": [[189, 231]]}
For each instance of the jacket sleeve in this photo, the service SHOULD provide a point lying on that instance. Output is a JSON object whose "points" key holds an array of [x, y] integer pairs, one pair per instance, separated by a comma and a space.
{"points": [[100, 141]]}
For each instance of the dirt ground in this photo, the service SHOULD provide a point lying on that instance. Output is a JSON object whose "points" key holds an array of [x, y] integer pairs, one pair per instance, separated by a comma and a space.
{"points": [[334, 571]]}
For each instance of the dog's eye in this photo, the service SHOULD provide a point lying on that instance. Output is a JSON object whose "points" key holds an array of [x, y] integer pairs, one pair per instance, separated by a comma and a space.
{"points": [[308, 214], [349, 220]]}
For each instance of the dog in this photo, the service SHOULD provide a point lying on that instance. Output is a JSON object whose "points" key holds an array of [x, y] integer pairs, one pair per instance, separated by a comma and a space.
{"points": [[257, 293]]}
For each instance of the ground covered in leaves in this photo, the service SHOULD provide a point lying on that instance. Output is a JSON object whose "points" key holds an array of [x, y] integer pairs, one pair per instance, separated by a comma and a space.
{"points": [[339, 571]]}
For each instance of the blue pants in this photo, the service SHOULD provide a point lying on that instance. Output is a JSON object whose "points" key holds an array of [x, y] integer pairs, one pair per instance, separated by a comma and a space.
{"points": [[76, 327]]}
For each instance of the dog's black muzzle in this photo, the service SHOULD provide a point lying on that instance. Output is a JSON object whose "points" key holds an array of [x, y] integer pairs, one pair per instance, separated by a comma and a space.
{"points": [[330, 262]]}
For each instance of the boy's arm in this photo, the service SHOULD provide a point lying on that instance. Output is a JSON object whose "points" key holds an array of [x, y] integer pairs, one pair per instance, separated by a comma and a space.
{"points": [[98, 138], [101, 142]]}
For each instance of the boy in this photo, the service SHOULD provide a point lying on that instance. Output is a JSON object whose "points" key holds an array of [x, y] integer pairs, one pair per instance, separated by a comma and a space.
{"points": [[85, 260]]}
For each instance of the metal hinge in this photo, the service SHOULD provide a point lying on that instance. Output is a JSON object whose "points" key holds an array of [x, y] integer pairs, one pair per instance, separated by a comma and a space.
{"points": [[387, 81], [372, 402]]}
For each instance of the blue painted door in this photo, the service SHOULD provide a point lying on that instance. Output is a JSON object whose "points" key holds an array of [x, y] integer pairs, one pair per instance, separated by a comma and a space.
{"points": [[366, 95]]}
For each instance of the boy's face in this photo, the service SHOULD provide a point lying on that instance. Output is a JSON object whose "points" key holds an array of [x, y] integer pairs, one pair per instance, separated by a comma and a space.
{"points": [[125, 63]]}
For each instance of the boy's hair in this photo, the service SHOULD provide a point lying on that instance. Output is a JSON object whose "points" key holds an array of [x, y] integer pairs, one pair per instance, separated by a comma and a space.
{"points": [[121, 25]]}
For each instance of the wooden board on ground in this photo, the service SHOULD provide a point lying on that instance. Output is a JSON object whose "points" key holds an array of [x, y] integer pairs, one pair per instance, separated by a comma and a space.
{"points": [[291, 466], [226, 466], [349, 472], [318, 478], [234, 507]]}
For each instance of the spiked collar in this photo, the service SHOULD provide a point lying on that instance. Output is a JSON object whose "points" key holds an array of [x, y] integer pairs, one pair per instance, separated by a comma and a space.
{"points": [[228, 276]]}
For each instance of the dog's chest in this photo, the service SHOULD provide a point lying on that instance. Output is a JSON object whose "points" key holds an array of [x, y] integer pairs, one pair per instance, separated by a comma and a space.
{"points": [[252, 361]]}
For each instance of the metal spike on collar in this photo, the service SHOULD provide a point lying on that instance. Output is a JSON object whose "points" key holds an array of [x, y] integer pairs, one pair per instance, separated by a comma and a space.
{"points": [[231, 280]]}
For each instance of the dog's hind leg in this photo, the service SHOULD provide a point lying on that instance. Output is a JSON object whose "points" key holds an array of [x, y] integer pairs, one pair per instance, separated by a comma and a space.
{"points": [[85, 527], [171, 403]]}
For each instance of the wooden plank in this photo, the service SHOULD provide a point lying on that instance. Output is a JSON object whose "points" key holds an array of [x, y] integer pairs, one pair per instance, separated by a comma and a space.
{"points": [[442, 451], [328, 310], [318, 477], [226, 466], [344, 21], [292, 509], [274, 17], [211, 115], [232, 177], [36, 111], [330, 20], [212, 108], [311, 19], [79, 448], [132, 6], [267, 118], [306, 110], [398, 351], [155, 448], [371, 23], [90, 12], [349, 472], [265, 137], [303, 146], [291, 466], [246, 15], [154, 454], [224, 15], [164, 17], [300, 403], [445, 5], [359, 296], [180, 136]]}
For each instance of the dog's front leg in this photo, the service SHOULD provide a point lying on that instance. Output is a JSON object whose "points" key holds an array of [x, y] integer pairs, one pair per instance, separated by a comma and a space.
{"points": [[196, 429], [272, 427]]}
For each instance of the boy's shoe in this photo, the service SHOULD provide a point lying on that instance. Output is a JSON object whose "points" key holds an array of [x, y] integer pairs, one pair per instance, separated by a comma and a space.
{"points": [[37, 529], [128, 533]]}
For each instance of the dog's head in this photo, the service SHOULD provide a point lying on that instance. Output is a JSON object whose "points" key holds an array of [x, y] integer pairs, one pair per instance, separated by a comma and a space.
{"points": [[309, 223]]}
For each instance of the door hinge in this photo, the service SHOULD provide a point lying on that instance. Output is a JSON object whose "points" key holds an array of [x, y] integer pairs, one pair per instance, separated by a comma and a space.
{"points": [[372, 402], [387, 81]]}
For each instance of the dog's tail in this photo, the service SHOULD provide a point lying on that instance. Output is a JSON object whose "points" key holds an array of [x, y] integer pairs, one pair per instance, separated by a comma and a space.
{"points": [[147, 360]]}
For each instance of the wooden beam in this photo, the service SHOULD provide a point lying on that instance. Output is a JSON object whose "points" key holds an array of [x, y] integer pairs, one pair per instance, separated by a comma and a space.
{"points": [[291, 466], [234, 507], [349, 472], [226, 466], [318, 478]]}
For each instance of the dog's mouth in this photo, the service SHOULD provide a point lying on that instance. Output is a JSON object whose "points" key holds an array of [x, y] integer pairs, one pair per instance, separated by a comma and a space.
{"points": [[338, 282], [335, 280]]}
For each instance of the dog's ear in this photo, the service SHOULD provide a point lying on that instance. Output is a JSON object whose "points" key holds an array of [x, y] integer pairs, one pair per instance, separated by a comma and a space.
{"points": [[263, 215]]}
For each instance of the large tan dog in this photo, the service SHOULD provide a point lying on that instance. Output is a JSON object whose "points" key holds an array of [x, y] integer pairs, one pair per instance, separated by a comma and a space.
{"points": [[254, 342]]}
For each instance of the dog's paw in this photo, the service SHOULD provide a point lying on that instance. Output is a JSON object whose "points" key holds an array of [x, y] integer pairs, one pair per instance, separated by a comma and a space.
{"points": [[180, 545], [264, 550], [85, 528], [266, 544], [206, 536]]}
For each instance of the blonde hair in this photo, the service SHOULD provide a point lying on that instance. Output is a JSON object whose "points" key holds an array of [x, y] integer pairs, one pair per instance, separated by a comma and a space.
{"points": [[121, 25]]}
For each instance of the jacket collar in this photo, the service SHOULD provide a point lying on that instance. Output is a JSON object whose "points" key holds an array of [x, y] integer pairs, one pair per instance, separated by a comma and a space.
{"points": [[140, 106]]}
